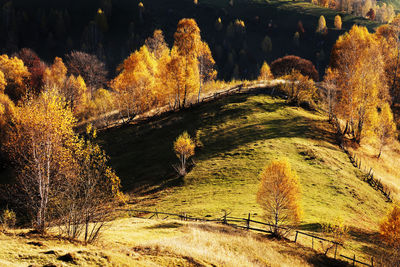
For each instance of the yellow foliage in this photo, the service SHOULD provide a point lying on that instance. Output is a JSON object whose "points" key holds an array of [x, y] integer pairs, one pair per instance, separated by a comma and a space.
{"points": [[184, 146], [101, 103], [299, 88], [16, 74], [265, 72], [7, 112], [321, 25], [338, 22], [358, 69], [240, 23], [184, 149], [135, 85], [56, 75], [390, 226], [383, 126], [279, 195], [3, 82]]}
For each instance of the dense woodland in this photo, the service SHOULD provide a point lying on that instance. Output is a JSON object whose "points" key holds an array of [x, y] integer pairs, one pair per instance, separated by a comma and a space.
{"points": [[57, 174], [240, 36]]}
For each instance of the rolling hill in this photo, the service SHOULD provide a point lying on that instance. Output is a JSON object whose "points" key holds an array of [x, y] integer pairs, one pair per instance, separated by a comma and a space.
{"points": [[237, 136]]}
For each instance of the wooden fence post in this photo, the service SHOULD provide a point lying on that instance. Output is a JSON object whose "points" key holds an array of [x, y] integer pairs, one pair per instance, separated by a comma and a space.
{"points": [[312, 238], [372, 261], [295, 238], [224, 221], [248, 222], [354, 260], [335, 249]]}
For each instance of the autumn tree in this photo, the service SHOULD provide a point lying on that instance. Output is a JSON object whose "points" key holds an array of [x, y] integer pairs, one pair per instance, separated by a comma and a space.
{"points": [[338, 22], [388, 38], [173, 76], [55, 75], [370, 14], [279, 196], [218, 24], [187, 42], [3, 82], [102, 102], [206, 66], [75, 94], [390, 226], [156, 44], [89, 67], [7, 113], [283, 66], [359, 74], [329, 92], [35, 67], [265, 72], [184, 149], [16, 76], [36, 144], [266, 45], [299, 88], [85, 200], [322, 25], [135, 85], [384, 127], [389, 230]]}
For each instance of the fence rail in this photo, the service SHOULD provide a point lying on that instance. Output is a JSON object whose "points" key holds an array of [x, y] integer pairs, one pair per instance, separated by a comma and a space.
{"points": [[232, 221], [370, 178], [115, 118]]}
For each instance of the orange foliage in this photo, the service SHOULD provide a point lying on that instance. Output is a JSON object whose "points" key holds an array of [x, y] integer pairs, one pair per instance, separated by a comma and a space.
{"points": [[390, 226], [279, 195], [56, 75], [265, 72], [16, 76], [357, 67]]}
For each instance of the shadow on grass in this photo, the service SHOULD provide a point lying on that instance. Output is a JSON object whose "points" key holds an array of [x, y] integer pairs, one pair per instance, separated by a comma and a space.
{"points": [[314, 227], [167, 225], [322, 260], [142, 154]]}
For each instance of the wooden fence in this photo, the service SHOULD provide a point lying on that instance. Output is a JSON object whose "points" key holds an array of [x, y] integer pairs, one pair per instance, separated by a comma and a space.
{"points": [[115, 118], [370, 178], [249, 224]]}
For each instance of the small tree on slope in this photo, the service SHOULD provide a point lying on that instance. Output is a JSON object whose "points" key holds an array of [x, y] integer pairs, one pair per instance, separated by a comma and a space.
{"points": [[279, 196]]}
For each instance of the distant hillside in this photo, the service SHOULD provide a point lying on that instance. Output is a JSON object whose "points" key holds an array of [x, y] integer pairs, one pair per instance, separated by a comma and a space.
{"points": [[53, 28]]}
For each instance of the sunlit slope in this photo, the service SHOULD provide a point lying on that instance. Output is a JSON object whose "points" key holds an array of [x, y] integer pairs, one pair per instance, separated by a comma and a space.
{"points": [[237, 137], [138, 242]]}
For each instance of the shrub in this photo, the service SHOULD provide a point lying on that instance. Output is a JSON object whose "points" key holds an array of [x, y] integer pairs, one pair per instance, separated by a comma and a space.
{"points": [[283, 66], [300, 89], [8, 219]]}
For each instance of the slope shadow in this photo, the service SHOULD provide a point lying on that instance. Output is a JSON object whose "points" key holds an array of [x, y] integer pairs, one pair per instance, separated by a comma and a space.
{"points": [[142, 154]]}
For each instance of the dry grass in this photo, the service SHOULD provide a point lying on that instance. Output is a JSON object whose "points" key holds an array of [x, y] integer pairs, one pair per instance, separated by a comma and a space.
{"points": [[221, 246], [141, 242]]}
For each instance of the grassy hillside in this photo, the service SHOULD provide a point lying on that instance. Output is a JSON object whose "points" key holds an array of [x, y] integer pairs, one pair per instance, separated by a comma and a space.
{"points": [[138, 242], [239, 135]]}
